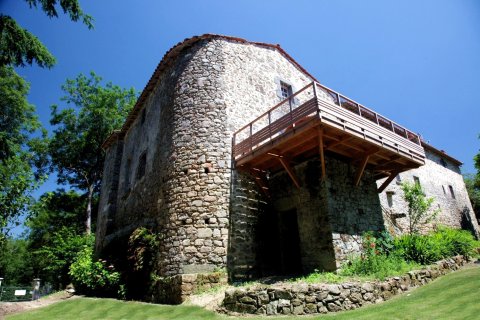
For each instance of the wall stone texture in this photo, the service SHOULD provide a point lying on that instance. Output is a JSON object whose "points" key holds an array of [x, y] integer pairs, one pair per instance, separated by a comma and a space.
{"points": [[303, 298], [172, 171], [436, 177]]}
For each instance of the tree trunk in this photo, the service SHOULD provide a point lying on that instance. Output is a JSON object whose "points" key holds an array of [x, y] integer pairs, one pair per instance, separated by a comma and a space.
{"points": [[88, 220]]}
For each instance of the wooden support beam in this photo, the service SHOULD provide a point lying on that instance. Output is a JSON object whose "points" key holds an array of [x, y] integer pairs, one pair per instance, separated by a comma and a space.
{"points": [[339, 142], [321, 151], [387, 182], [289, 170], [361, 169]]}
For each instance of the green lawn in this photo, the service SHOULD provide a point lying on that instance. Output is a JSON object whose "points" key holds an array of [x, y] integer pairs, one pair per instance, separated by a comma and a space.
{"points": [[455, 296]]}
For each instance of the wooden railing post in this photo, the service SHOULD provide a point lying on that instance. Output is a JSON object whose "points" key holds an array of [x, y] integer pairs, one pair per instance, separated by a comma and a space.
{"points": [[269, 125], [250, 137]]}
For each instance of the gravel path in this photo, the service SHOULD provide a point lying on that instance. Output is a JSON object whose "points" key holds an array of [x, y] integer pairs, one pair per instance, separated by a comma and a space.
{"points": [[15, 307]]}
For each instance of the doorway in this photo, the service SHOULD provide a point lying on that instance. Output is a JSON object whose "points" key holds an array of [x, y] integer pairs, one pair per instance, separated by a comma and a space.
{"points": [[289, 242]]}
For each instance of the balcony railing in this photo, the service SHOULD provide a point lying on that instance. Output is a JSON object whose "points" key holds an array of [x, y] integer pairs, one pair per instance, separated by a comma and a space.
{"points": [[302, 106]]}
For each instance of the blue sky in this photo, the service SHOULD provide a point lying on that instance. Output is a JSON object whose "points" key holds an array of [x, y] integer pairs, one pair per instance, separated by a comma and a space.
{"points": [[416, 62]]}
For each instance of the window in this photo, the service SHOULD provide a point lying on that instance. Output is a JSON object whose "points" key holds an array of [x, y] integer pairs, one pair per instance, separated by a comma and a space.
{"points": [[444, 192], [142, 162], [143, 116], [390, 198], [452, 192], [285, 90], [399, 179], [443, 162], [128, 167], [416, 180]]}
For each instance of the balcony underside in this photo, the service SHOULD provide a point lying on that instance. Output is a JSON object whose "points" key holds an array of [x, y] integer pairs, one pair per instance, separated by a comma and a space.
{"points": [[317, 127]]}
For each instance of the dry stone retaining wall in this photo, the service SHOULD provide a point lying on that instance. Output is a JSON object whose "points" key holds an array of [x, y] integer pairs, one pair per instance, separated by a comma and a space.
{"points": [[301, 298]]}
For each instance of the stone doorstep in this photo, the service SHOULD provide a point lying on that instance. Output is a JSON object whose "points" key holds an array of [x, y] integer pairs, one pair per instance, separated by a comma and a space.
{"points": [[323, 298]]}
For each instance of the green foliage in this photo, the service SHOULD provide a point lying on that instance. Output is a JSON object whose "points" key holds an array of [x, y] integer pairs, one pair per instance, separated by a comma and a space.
{"points": [[14, 263], [52, 211], [94, 277], [321, 277], [142, 245], [378, 259], [17, 151], [472, 182], [419, 248], [444, 243], [94, 112], [19, 47], [55, 228], [419, 206], [54, 258], [70, 7]]}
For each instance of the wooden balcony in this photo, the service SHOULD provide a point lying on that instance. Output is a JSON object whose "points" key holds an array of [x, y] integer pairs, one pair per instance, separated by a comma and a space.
{"points": [[317, 120]]}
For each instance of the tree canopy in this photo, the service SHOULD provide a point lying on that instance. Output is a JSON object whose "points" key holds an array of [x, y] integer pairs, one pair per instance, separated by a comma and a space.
{"points": [[19, 47], [93, 111], [18, 152]]}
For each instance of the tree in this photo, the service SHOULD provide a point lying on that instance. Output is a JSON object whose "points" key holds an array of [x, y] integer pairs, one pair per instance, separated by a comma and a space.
{"points": [[419, 206], [19, 47], [472, 182], [75, 148], [18, 152], [55, 234], [51, 212], [15, 266]]}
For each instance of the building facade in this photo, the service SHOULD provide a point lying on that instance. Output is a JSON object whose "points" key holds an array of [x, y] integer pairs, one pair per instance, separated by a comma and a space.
{"points": [[173, 168]]}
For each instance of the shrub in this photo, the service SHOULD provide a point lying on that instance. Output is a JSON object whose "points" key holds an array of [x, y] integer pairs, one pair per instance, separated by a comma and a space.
{"points": [[419, 206], [378, 258], [94, 277], [419, 248], [457, 242], [444, 243]]}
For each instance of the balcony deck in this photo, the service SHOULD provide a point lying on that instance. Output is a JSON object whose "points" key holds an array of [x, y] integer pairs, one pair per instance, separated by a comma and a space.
{"points": [[317, 120]]}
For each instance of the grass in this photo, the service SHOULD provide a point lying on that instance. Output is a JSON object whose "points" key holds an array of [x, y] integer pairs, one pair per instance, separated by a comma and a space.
{"points": [[454, 296]]}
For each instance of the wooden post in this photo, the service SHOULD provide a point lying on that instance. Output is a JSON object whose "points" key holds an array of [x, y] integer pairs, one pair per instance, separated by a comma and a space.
{"points": [[250, 137], [387, 182], [361, 169], [321, 151], [289, 170]]}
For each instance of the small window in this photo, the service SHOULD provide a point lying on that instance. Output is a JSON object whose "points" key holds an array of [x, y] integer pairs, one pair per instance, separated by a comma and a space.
{"points": [[443, 162], [416, 180], [444, 191], [398, 178], [390, 199], [142, 162], [452, 193], [143, 116], [285, 89], [128, 167]]}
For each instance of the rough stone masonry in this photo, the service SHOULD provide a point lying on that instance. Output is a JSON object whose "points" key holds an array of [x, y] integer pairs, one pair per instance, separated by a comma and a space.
{"points": [[170, 169]]}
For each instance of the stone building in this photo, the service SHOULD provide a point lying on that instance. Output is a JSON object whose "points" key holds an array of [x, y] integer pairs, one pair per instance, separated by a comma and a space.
{"points": [[289, 192]]}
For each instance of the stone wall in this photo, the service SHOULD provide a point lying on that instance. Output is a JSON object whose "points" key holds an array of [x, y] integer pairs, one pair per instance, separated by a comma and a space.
{"points": [[176, 289], [251, 78], [436, 177], [302, 298], [183, 136]]}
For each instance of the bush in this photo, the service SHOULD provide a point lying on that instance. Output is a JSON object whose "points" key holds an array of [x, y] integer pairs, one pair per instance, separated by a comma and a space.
{"points": [[378, 258], [94, 277], [444, 243], [419, 248]]}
